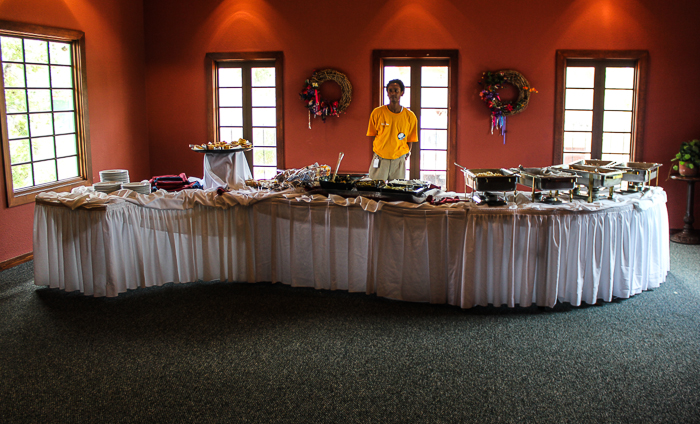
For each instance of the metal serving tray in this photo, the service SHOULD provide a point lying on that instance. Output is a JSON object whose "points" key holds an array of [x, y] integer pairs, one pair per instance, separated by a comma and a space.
{"points": [[507, 181], [596, 177], [595, 162], [639, 172], [538, 180]]}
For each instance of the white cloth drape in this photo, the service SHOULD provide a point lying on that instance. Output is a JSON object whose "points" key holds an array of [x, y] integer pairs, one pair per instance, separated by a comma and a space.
{"points": [[456, 254], [226, 170]]}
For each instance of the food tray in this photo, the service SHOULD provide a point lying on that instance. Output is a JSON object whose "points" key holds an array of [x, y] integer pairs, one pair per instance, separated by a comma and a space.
{"points": [[506, 182], [596, 177], [639, 172], [237, 149], [595, 162], [548, 182], [369, 185], [341, 182]]}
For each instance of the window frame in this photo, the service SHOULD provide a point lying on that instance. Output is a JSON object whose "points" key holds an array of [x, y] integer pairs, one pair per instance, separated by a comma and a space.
{"points": [[82, 128], [641, 65], [424, 57], [212, 61]]}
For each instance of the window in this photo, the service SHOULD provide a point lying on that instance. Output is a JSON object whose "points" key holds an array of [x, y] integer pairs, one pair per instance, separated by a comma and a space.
{"points": [[599, 105], [45, 140], [246, 101], [431, 93]]}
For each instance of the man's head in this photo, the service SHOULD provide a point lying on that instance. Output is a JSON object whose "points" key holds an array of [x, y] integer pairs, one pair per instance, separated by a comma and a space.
{"points": [[397, 81]]}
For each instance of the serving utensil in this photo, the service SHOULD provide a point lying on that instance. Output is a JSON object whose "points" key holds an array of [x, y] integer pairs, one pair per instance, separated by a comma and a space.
{"points": [[340, 158]]}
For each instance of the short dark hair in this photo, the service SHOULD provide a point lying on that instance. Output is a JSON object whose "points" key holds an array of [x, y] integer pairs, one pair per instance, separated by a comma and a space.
{"points": [[399, 82]]}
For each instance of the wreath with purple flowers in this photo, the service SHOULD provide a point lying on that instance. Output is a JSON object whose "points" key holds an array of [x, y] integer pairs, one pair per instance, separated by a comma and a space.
{"points": [[319, 106], [491, 83]]}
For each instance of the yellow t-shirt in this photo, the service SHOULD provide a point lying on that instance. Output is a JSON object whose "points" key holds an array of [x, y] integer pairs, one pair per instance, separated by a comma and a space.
{"points": [[392, 131]]}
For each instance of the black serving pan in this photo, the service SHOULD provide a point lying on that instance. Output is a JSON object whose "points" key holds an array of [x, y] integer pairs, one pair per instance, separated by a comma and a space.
{"points": [[369, 185], [341, 182], [547, 182], [507, 181]]}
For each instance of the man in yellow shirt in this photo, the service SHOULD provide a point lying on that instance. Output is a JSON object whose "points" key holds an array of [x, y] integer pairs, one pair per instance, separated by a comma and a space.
{"points": [[392, 127]]}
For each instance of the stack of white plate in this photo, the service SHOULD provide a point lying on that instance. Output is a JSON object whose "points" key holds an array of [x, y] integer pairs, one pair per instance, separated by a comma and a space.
{"points": [[120, 175], [107, 186], [143, 187]]}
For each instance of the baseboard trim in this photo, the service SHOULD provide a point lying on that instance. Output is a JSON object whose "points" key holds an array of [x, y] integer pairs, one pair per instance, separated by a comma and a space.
{"points": [[16, 261]]}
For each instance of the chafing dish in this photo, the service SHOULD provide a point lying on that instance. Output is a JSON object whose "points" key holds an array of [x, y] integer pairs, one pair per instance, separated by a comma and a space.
{"points": [[483, 182], [546, 179], [638, 174], [594, 179], [595, 162]]}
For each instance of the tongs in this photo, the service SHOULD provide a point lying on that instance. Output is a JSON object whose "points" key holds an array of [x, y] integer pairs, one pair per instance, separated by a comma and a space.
{"points": [[340, 158]]}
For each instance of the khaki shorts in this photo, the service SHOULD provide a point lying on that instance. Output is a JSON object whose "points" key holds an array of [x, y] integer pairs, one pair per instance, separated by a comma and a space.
{"points": [[388, 169]]}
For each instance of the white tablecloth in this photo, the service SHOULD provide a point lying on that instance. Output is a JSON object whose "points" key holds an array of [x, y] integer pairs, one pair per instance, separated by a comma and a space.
{"points": [[457, 253], [226, 170]]}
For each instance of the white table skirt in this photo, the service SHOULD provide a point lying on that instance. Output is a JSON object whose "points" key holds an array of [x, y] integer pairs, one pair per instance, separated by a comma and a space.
{"points": [[463, 256]]}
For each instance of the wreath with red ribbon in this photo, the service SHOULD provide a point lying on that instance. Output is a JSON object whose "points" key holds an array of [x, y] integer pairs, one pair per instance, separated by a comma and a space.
{"points": [[320, 107], [492, 82]]}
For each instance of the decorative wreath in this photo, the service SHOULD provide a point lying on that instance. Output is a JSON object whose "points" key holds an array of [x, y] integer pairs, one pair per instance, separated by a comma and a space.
{"points": [[320, 107], [492, 82]]}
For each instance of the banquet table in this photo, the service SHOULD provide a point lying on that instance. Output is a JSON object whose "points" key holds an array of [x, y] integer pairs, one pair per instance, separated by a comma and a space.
{"points": [[458, 253]]}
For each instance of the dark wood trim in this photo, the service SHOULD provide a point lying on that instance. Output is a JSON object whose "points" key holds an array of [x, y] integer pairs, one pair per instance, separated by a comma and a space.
{"points": [[423, 57], [77, 40], [641, 60], [16, 261]]}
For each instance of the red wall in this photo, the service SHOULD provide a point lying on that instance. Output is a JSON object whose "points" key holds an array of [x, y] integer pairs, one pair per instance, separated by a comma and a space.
{"points": [[341, 35], [116, 93]]}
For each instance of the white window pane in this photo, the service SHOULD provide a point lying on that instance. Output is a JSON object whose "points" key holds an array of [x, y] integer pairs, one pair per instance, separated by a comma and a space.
{"points": [[15, 101], [64, 122], [433, 139], [12, 49], [434, 76], [230, 77], [402, 73], [36, 51], [433, 118], [263, 77], [264, 172], [62, 99], [616, 158], [265, 156], [264, 97], [577, 141], [578, 120], [618, 99], [61, 77], [19, 151], [44, 172], [67, 167], [577, 98], [66, 145], [433, 97], [435, 177], [38, 76], [264, 117], [580, 77], [405, 99], [616, 142], [21, 176], [39, 100], [229, 134], [433, 160], [264, 137], [17, 126], [230, 97], [13, 75], [40, 124], [42, 148], [575, 157], [619, 77], [231, 117], [617, 121], [60, 53]]}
